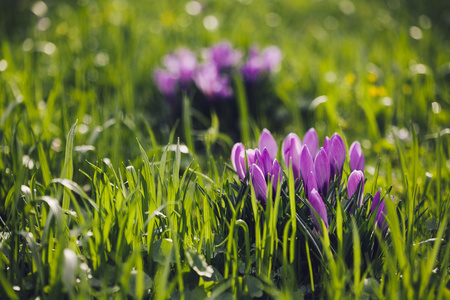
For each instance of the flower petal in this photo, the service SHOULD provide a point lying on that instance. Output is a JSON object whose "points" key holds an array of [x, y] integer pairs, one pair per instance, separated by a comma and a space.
{"points": [[291, 149], [317, 204], [306, 164], [375, 201], [312, 184], [353, 182], [277, 175], [267, 141], [322, 171], [336, 155], [356, 157], [312, 141], [259, 183]]}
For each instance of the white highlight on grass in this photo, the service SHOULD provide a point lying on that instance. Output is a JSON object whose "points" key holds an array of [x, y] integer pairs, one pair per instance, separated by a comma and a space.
{"points": [[418, 69], [43, 24], [39, 8], [193, 8], [387, 101], [435, 107], [330, 77], [210, 22], [317, 101], [101, 59], [425, 22], [49, 48], [415, 32], [3, 65], [27, 45]]}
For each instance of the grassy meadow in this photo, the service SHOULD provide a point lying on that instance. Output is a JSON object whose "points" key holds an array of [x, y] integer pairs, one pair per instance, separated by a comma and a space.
{"points": [[109, 190]]}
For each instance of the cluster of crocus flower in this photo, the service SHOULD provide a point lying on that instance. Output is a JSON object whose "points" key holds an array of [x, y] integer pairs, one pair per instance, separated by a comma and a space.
{"points": [[213, 76], [315, 167]]}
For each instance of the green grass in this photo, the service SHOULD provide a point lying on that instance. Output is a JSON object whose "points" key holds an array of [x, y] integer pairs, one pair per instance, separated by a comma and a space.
{"points": [[100, 199]]}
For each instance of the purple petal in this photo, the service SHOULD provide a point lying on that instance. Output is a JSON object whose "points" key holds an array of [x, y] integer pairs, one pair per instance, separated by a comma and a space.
{"points": [[317, 204], [356, 157], [254, 66], [312, 184], [251, 156], [237, 148], [312, 141], [336, 155], [322, 171], [241, 169], [267, 161], [375, 201], [211, 83], [277, 175], [353, 182], [259, 183], [327, 145], [267, 141], [306, 164], [291, 151]]}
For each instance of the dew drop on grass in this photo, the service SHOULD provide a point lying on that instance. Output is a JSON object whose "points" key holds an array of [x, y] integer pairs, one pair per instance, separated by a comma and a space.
{"points": [[436, 107], [210, 22], [415, 32], [39, 8]]}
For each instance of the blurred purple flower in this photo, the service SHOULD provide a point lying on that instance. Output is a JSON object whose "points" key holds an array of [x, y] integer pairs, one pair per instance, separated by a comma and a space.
{"points": [[167, 83], [319, 206], [356, 157], [259, 64], [266, 141], [223, 55], [211, 83], [182, 64], [353, 182]]}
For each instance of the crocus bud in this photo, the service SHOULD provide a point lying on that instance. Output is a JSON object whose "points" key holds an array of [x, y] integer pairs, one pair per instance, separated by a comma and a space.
{"points": [[375, 201], [336, 155], [254, 66], [291, 149], [267, 141], [306, 165], [353, 182], [322, 171], [312, 141], [277, 175], [317, 204], [356, 157], [259, 183], [380, 217], [236, 161]]}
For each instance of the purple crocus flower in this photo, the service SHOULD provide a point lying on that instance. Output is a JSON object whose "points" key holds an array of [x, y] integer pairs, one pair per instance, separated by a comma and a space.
{"points": [[211, 83], [306, 165], [311, 140], [336, 155], [356, 157], [223, 55], [318, 205], [322, 171], [238, 154], [254, 65], [182, 64], [258, 64], [380, 218], [167, 83], [266, 141], [259, 183], [375, 201], [291, 149], [353, 182]]}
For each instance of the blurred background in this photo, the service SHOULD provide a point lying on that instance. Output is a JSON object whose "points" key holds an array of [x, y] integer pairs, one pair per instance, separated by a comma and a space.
{"points": [[367, 69]]}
